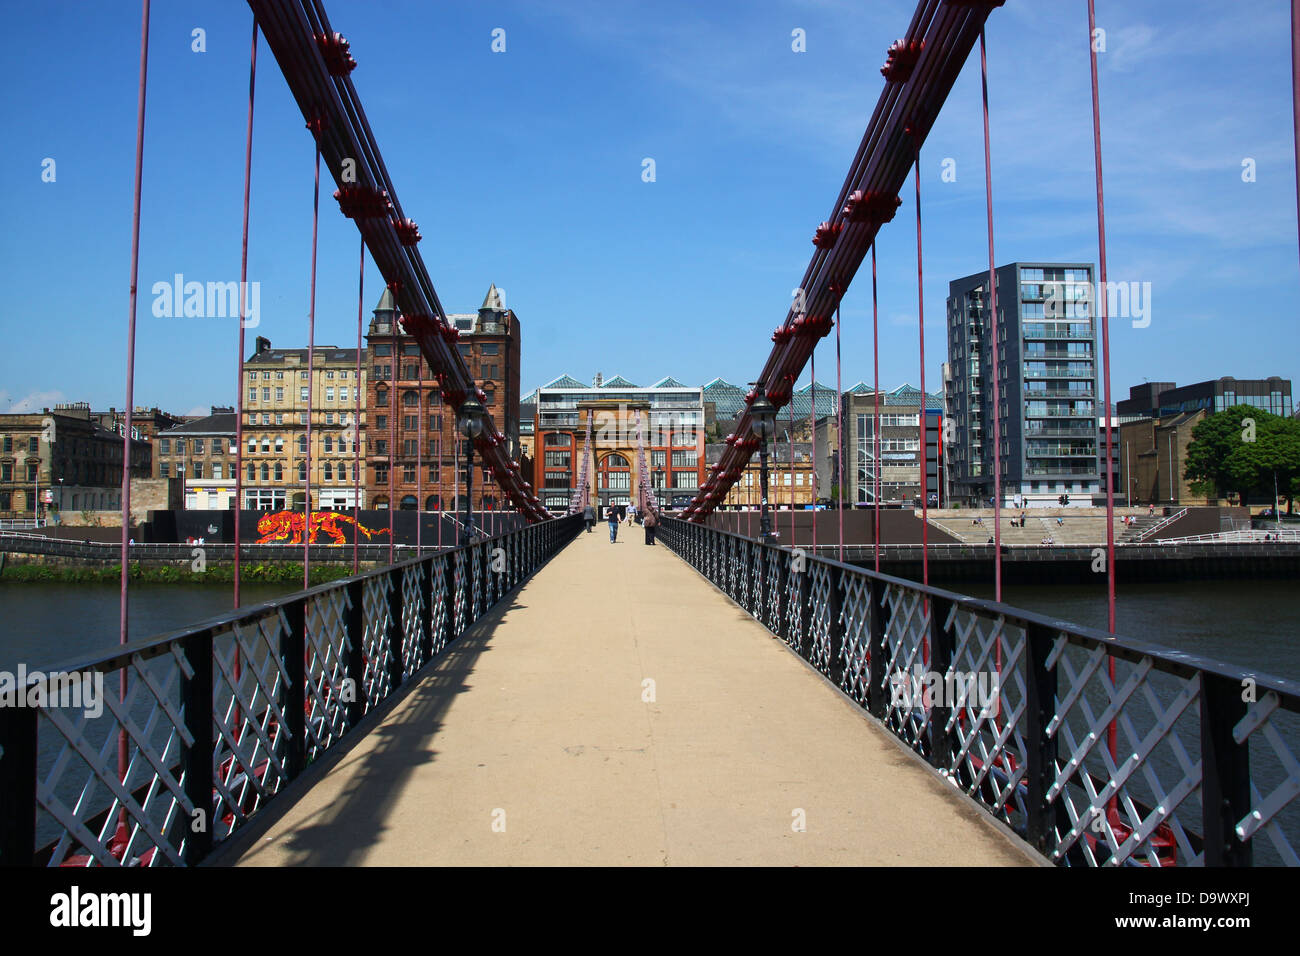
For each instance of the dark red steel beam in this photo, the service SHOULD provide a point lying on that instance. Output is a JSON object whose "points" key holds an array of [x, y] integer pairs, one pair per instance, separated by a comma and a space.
{"points": [[919, 74], [317, 66]]}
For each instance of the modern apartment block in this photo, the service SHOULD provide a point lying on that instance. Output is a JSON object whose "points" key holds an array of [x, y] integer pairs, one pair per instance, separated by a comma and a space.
{"points": [[1045, 431], [405, 404]]}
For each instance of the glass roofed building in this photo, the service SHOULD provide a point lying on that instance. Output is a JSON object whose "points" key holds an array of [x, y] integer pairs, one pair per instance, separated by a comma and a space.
{"points": [[671, 413]]}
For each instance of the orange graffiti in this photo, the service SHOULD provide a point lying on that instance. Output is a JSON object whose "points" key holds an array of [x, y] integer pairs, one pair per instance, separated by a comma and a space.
{"points": [[282, 525]]}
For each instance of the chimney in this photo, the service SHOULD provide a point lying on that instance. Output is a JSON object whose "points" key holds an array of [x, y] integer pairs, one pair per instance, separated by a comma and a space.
{"points": [[599, 378]]}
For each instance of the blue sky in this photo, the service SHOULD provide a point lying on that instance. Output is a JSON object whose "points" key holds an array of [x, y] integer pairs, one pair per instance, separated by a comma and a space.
{"points": [[523, 168]]}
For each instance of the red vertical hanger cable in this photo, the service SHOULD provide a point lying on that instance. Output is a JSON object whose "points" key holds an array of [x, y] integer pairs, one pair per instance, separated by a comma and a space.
{"points": [[839, 426], [812, 430], [993, 338], [922, 421], [243, 313], [122, 760], [1111, 732], [316, 128], [875, 428], [356, 413]]}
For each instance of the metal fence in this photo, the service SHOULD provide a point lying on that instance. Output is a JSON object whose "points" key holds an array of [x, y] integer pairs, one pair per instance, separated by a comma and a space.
{"points": [[202, 727], [1097, 749]]}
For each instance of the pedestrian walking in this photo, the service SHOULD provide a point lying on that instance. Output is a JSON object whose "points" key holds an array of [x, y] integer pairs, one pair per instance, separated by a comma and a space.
{"points": [[589, 516], [651, 521], [613, 524]]}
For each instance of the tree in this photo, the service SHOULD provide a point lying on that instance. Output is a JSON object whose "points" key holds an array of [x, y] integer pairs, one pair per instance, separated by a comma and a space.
{"points": [[1243, 449]]}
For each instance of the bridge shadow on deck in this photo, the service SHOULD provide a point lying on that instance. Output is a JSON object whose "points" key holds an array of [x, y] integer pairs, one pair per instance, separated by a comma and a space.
{"points": [[338, 832]]}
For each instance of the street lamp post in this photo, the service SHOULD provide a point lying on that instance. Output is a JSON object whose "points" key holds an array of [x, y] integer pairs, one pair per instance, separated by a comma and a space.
{"points": [[659, 486], [470, 419], [763, 423]]}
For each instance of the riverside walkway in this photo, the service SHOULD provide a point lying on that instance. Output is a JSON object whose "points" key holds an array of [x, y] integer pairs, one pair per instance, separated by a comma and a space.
{"points": [[536, 740]]}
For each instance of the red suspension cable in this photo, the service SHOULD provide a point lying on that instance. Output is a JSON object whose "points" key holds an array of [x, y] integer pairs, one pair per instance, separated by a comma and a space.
{"points": [[311, 368], [922, 419], [243, 314], [356, 414], [812, 428], [122, 758], [875, 360], [839, 424], [993, 335]]}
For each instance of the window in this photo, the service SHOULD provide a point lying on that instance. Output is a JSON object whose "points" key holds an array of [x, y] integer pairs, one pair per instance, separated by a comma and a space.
{"points": [[327, 471], [279, 444], [266, 375], [198, 469], [329, 418], [410, 422], [381, 474], [435, 447], [381, 398], [162, 471], [9, 446], [435, 423], [685, 459], [279, 471], [302, 471], [329, 393], [343, 392], [343, 471], [279, 376], [164, 446], [252, 472], [489, 396], [266, 472], [279, 394], [559, 439], [180, 446], [381, 447], [408, 474], [266, 445], [302, 444], [465, 350], [329, 374], [383, 350], [302, 393], [266, 394], [381, 421], [411, 371], [684, 479], [198, 446], [329, 443], [411, 399], [490, 348], [302, 374], [216, 469]]}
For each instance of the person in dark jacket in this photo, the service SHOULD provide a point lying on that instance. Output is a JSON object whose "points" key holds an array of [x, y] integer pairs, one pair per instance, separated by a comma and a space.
{"points": [[651, 522], [612, 517], [589, 516]]}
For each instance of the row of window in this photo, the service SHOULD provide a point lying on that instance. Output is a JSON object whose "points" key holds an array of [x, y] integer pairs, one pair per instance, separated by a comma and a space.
{"points": [[302, 374], [33, 444], [303, 394], [328, 443]]}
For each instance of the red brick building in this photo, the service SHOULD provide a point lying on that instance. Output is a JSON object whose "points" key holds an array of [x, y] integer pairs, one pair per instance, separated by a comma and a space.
{"points": [[405, 407]]}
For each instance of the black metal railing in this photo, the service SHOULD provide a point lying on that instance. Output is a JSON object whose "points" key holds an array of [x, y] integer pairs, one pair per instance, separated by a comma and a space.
{"points": [[214, 720], [1097, 749]]}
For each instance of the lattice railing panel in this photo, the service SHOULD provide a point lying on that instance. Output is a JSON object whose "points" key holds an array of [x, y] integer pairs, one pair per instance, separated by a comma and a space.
{"points": [[248, 698], [376, 648], [148, 814], [327, 652]]}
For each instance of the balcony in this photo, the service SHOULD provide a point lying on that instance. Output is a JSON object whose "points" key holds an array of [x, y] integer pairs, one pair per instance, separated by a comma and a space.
{"points": [[1072, 470]]}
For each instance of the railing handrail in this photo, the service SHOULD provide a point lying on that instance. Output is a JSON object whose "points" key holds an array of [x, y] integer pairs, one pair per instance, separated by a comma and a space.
{"points": [[151, 646], [1173, 661], [1170, 519], [1073, 755]]}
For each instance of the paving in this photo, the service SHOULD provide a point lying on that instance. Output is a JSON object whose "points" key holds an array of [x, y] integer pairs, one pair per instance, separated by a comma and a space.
{"points": [[619, 710]]}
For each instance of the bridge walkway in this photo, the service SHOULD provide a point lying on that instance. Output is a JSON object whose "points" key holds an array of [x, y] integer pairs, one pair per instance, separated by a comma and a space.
{"points": [[529, 742]]}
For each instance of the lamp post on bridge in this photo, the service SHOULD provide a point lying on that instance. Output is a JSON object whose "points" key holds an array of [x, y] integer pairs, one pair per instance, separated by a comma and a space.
{"points": [[470, 420], [659, 486], [763, 423]]}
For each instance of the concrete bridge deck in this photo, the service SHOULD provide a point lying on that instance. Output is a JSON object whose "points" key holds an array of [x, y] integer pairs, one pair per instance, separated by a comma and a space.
{"points": [[529, 743]]}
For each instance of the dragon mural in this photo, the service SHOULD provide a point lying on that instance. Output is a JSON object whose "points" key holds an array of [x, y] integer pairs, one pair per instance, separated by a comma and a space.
{"points": [[286, 527]]}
